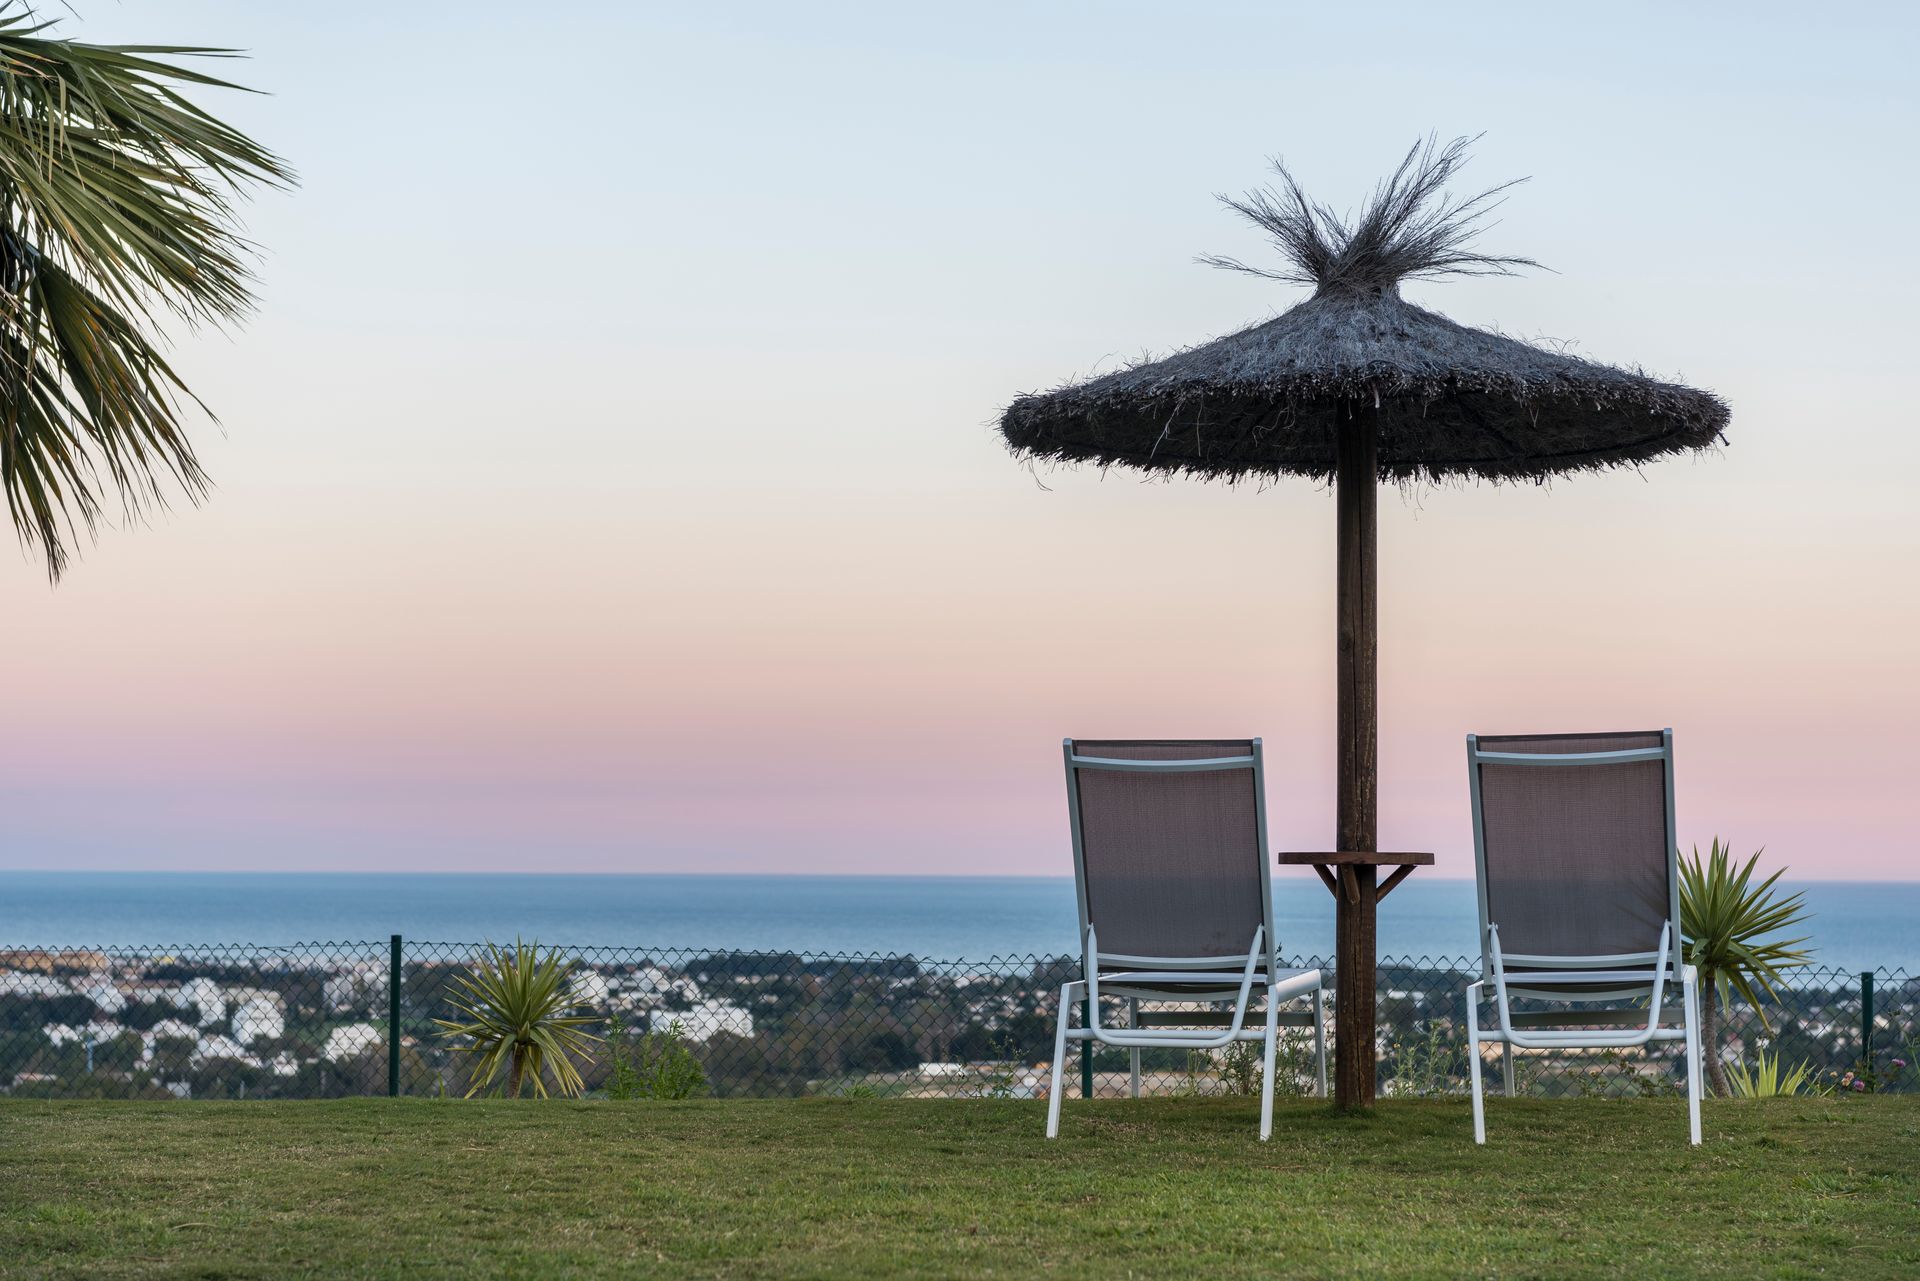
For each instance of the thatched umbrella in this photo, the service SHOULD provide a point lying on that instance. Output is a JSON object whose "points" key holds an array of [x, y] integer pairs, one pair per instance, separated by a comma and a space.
{"points": [[1353, 386]]}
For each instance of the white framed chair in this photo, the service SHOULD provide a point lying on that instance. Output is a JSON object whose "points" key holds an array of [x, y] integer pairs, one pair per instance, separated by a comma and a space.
{"points": [[1170, 869], [1577, 867]]}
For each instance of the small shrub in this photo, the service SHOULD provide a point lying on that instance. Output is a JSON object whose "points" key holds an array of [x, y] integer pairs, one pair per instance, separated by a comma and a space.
{"points": [[652, 1065], [1426, 1066], [1240, 1067], [1004, 1075]]}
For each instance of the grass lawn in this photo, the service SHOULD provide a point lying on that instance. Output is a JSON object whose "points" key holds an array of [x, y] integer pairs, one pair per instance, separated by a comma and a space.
{"points": [[867, 1188]]}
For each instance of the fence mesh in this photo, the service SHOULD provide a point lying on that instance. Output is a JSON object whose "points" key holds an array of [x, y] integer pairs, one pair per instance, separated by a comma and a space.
{"points": [[315, 1021], [306, 1021]]}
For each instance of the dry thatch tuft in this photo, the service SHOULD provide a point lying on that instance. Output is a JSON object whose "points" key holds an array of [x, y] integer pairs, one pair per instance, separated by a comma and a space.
{"points": [[1447, 400], [1409, 230]]}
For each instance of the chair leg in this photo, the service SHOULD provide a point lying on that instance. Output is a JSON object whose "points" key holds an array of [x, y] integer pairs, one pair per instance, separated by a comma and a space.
{"points": [[1059, 1060], [1473, 1064], [1266, 1074], [1506, 1068], [1320, 1037], [1133, 1055], [1690, 1005]]}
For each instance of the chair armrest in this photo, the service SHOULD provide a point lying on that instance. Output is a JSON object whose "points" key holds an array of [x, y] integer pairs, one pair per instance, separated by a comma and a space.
{"points": [[1525, 978], [1176, 976]]}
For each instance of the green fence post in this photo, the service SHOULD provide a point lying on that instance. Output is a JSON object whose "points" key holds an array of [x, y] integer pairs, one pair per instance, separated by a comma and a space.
{"points": [[1866, 1026], [393, 1019], [1086, 1051]]}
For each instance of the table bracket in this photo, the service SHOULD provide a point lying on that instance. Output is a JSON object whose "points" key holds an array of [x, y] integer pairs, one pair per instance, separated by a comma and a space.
{"points": [[1400, 874], [1333, 886]]}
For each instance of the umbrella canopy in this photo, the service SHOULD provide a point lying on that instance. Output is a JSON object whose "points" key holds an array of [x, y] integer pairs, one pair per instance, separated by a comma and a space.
{"points": [[1355, 385], [1445, 400]]}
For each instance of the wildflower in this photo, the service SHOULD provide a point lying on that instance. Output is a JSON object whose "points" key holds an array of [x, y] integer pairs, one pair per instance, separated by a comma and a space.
{"points": [[1899, 1063], [1859, 1085]]}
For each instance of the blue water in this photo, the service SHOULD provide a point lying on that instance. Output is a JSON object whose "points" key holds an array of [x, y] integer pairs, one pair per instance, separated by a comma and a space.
{"points": [[1855, 926]]}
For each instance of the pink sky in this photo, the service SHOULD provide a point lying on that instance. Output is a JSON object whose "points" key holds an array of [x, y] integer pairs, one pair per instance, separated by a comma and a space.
{"points": [[689, 545]]}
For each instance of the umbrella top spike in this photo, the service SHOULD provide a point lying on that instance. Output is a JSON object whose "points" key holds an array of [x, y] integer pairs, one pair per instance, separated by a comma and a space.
{"points": [[1448, 400], [1410, 228]]}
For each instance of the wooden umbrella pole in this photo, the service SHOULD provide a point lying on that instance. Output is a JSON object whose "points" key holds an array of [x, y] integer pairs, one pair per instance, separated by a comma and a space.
{"points": [[1356, 491]]}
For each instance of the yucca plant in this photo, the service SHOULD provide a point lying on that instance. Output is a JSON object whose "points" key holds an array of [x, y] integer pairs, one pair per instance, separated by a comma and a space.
{"points": [[116, 211], [514, 1020], [1768, 1080], [1730, 925]]}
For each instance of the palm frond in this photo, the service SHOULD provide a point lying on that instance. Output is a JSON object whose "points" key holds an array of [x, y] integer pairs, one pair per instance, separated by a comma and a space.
{"points": [[117, 197], [1731, 924]]}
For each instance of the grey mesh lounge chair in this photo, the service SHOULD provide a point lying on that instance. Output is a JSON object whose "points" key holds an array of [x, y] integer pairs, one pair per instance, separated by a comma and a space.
{"points": [[1573, 842], [1170, 866]]}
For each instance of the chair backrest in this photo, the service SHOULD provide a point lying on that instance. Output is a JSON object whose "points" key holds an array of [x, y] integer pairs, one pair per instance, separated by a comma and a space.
{"points": [[1170, 850], [1573, 843]]}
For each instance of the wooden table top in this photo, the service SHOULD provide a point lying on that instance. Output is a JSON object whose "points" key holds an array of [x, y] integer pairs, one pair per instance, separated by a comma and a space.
{"points": [[1356, 858]]}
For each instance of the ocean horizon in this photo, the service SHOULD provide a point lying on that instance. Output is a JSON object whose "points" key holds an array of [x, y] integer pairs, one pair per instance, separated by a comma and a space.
{"points": [[1854, 925]]}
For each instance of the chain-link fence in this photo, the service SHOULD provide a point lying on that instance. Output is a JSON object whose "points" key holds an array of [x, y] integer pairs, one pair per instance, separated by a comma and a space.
{"points": [[307, 1021], [321, 1020]]}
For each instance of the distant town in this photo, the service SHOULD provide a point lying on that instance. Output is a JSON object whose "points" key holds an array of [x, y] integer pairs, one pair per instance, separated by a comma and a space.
{"points": [[312, 1021]]}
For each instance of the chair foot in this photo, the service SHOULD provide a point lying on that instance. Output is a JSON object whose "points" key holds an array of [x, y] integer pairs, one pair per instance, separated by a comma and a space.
{"points": [[1473, 1065], [1690, 1009], [1058, 1088], [1320, 1037], [1266, 1075]]}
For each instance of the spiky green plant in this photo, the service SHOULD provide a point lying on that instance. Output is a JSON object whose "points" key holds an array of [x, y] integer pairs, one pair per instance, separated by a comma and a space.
{"points": [[1767, 1079], [513, 1007], [116, 211], [1731, 927]]}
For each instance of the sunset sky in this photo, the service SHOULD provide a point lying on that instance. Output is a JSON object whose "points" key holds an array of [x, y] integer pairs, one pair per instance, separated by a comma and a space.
{"points": [[608, 480]]}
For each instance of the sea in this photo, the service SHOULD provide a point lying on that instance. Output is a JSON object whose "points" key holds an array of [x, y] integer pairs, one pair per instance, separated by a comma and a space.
{"points": [[1854, 925]]}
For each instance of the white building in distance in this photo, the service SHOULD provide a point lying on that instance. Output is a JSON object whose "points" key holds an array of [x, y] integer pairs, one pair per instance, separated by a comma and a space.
{"points": [[351, 1040], [257, 1015], [204, 995], [706, 1019]]}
